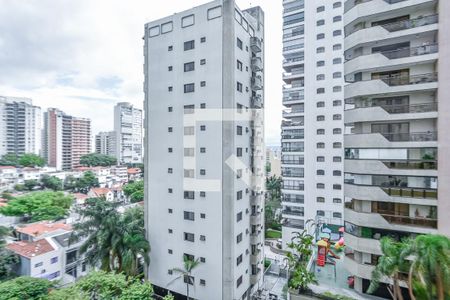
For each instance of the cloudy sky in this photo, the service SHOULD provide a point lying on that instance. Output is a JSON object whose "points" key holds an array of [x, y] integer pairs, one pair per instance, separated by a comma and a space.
{"points": [[83, 56]]}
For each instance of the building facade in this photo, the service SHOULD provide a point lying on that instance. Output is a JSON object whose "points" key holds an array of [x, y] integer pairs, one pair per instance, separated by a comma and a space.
{"points": [[105, 143], [206, 151], [312, 129], [128, 129], [395, 118], [66, 139], [20, 126]]}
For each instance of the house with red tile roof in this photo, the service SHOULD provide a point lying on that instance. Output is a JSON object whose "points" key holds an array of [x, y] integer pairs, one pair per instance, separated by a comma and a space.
{"points": [[101, 192]]}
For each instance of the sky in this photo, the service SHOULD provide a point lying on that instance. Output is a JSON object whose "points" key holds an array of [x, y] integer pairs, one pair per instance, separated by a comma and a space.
{"points": [[84, 56]]}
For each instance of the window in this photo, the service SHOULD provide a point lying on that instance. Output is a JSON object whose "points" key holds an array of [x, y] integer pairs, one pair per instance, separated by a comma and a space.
{"points": [[170, 272], [337, 117], [202, 194], [189, 88], [337, 187], [203, 39], [337, 103], [170, 231], [321, 36], [337, 19], [320, 50], [238, 216], [337, 60], [202, 127], [153, 31], [337, 4], [202, 259], [239, 65], [189, 130], [214, 12], [239, 195], [170, 191], [320, 22], [170, 68], [320, 77], [202, 216], [320, 145], [337, 200], [337, 145], [202, 172], [337, 46], [320, 172], [320, 186], [189, 45], [189, 109], [320, 131], [337, 75], [320, 90], [239, 281], [320, 158], [170, 170], [239, 260], [239, 130], [202, 282], [320, 213], [320, 63], [170, 88], [337, 159], [167, 27], [202, 150], [189, 215], [170, 129], [187, 21], [320, 104], [39, 264], [239, 87], [337, 32], [337, 88], [189, 195], [337, 130], [169, 210], [202, 83], [320, 118], [239, 238], [190, 66], [239, 43], [239, 152], [337, 215], [320, 199], [320, 8], [170, 150], [170, 48], [337, 173], [203, 61], [189, 237], [202, 105], [170, 109]]}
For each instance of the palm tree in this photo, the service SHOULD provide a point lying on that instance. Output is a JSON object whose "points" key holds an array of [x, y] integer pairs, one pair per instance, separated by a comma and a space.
{"points": [[429, 271], [188, 266], [390, 264], [273, 186]]}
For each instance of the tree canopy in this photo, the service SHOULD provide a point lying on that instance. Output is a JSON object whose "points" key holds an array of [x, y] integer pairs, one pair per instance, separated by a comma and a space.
{"points": [[87, 181], [52, 182], [25, 288], [96, 159], [8, 259], [38, 206], [25, 160], [135, 191]]}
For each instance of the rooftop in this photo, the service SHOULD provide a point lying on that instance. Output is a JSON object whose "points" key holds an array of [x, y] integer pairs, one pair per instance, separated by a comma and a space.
{"points": [[100, 191], [30, 249], [44, 227], [134, 171]]}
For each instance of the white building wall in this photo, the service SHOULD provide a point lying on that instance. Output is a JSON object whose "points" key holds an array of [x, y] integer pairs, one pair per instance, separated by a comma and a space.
{"points": [[128, 129]]}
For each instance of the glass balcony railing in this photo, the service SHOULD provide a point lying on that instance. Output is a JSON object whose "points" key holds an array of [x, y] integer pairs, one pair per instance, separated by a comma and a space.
{"points": [[293, 225], [401, 52], [298, 161], [300, 187], [292, 174], [404, 109], [349, 4], [406, 220], [410, 192], [294, 59], [402, 80], [293, 212], [411, 164], [293, 199], [292, 136], [299, 149], [292, 124], [428, 136]]}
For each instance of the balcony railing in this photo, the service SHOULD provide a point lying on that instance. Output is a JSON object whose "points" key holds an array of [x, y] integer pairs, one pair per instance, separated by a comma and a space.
{"points": [[292, 136], [293, 225], [295, 72], [286, 10], [402, 52], [290, 113], [405, 220], [292, 124], [299, 149], [411, 136], [293, 213], [401, 25], [293, 98], [299, 161], [293, 47], [293, 200], [300, 187], [291, 174], [410, 192], [403, 80], [294, 59], [292, 34], [405, 109], [349, 4], [411, 164]]}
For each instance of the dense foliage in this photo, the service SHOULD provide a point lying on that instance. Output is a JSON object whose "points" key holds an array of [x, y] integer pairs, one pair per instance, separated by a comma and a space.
{"points": [[96, 159], [25, 288], [273, 202], [38, 206], [8, 259], [135, 191], [52, 182], [25, 160]]}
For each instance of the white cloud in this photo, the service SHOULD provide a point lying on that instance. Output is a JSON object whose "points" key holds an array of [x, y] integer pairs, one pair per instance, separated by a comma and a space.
{"points": [[83, 56]]}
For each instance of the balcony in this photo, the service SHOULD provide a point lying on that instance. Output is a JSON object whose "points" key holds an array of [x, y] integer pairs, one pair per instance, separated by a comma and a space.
{"points": [[391, 167], [292, 124], [290, 212], [378, 140], [292, 187], [256, 64], [292, 136], [293, 60], [287, 113], [292, 174], [410, 192], [359, 270], [255, 44], [293, 199], [292, 224], [299, 161], [256, 82], [390, 31], [292, 76], [367, 245], [257, 102], [293, 149], [391, 84]]}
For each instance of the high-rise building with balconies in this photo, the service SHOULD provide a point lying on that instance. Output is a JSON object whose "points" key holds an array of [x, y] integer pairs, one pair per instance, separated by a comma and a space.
{"points": [[204, 149], [128, 129], [312, 129], [20, 126], [396, 117], [105, 143]]}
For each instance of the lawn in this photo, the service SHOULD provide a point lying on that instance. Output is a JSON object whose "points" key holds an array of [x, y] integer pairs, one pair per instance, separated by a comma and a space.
{"points": [[273, 234]]}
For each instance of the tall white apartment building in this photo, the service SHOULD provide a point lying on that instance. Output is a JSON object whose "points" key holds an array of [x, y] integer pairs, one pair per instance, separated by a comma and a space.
{"points": [[128, 129], [397, 113], [204, 154], [20, 126], [312, 129], [105, 143]]}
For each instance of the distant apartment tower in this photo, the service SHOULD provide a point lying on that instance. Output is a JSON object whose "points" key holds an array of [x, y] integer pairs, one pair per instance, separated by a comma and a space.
{"points": [[396, 117], [20, 126], [105, 143], [66, 139], [128, 128], [203, 103], [312, 129]]}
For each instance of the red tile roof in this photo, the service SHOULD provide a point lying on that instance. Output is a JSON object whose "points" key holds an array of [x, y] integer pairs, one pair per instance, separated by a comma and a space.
{"points": [[7, 167], [30, 249], [37, 229], [134, 171], [100, 191], [80, 196]]}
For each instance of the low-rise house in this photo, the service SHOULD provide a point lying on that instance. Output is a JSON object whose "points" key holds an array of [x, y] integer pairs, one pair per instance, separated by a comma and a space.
{"points": [[101, 192], [121, 173], [134, 174], [80, 198], [8, 177]]}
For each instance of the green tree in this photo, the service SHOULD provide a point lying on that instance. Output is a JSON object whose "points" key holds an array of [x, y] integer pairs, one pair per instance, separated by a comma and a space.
{"points": [[52, 182], [28, 288], [31, 184], [186, 272], [390, 264], [38, 206], [8, 259], [9, 160], [19, 187], [70, 183], [96, 159], [135, 191], [87, 181], [31, 160]]}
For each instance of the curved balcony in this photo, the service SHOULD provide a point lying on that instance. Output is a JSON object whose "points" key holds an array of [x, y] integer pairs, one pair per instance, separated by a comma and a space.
{"points": [[362, 244], [391, 84], [391, 140], [393, 59], [373, 166], [390, 31], [291, 77], [391, 113], [357, 269]]}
